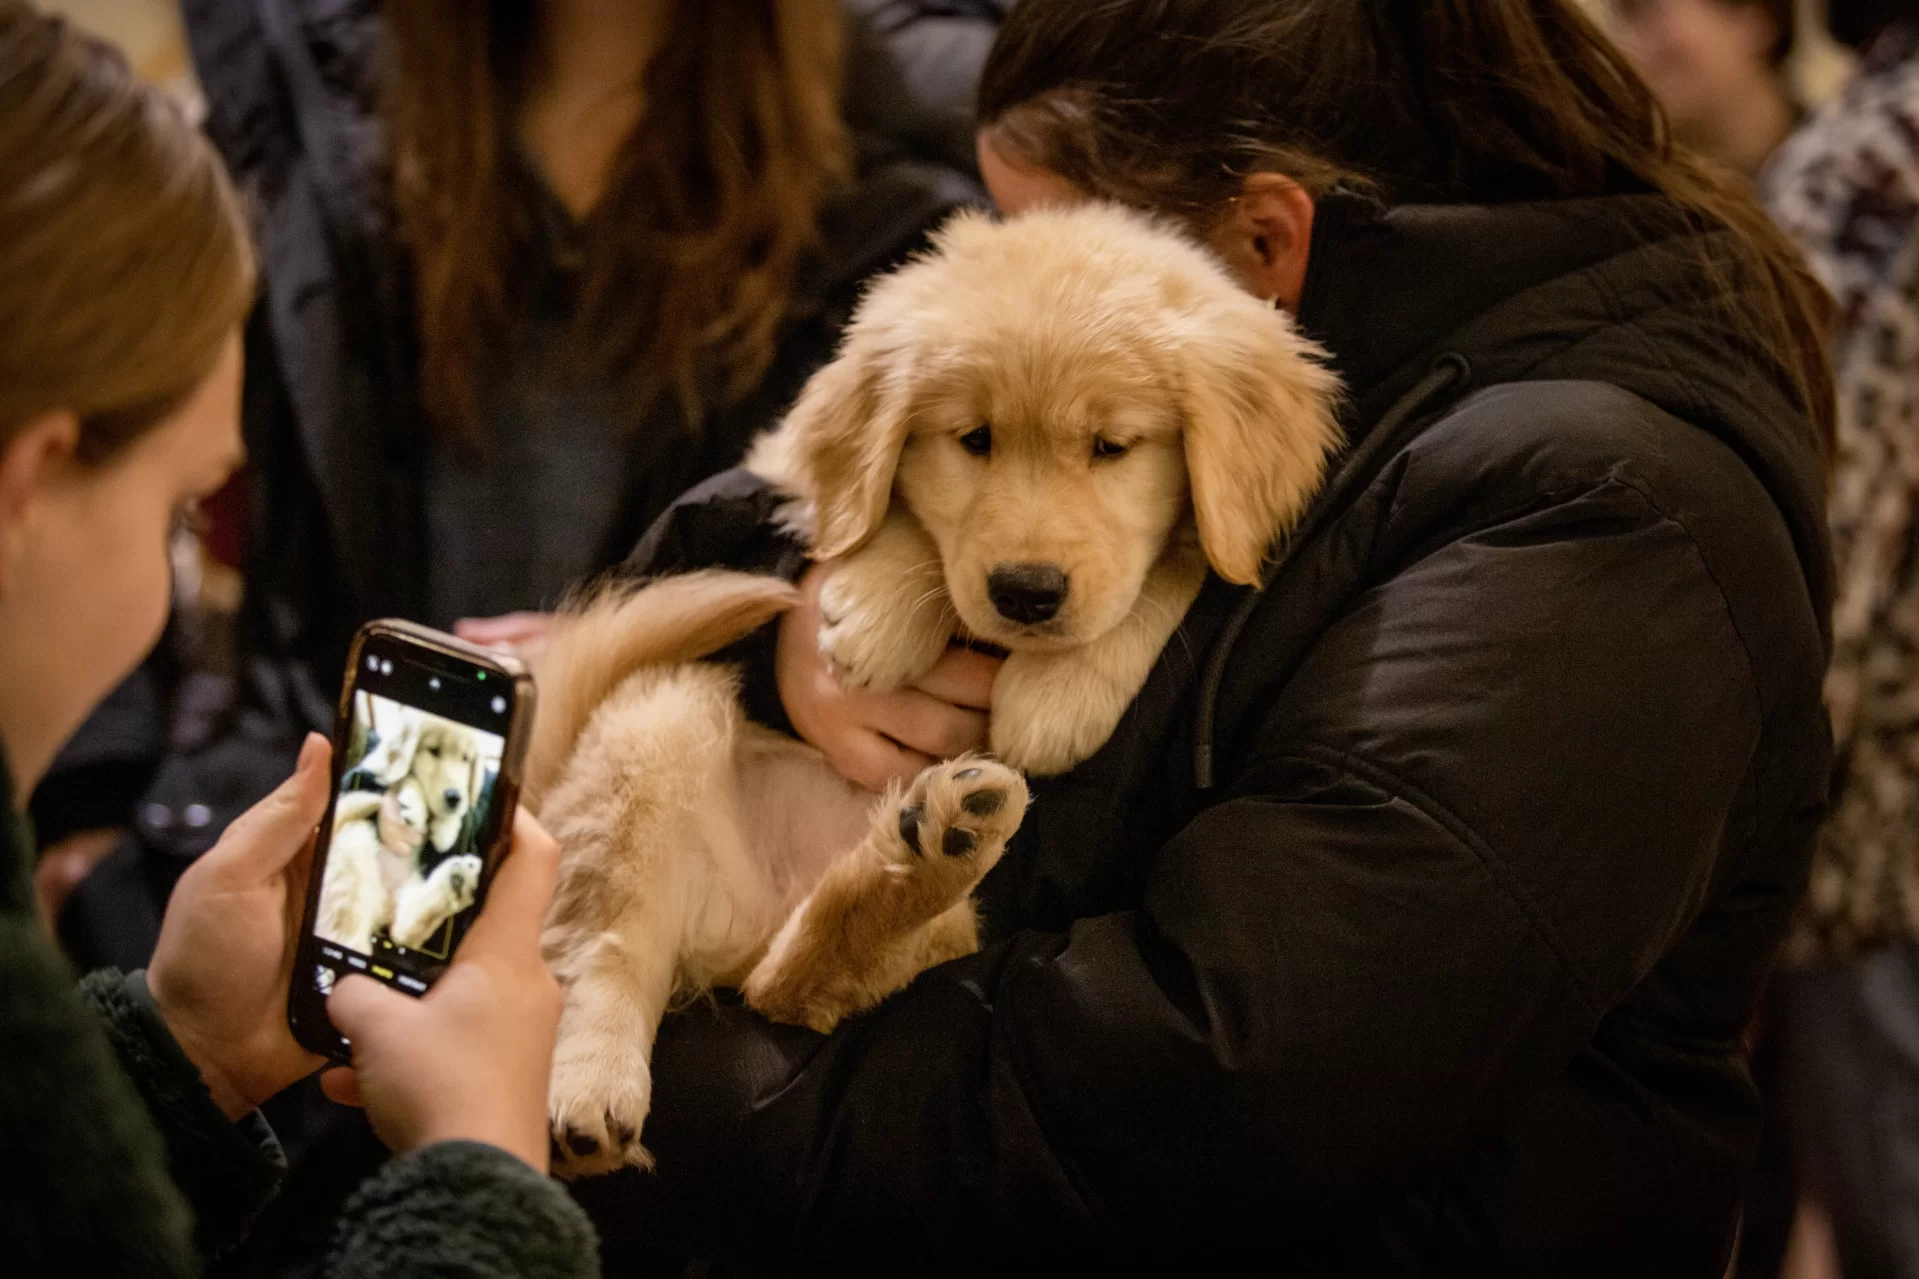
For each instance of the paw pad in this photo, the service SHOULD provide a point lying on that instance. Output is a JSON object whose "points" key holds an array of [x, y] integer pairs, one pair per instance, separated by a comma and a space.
{"points": [[982, 803]]}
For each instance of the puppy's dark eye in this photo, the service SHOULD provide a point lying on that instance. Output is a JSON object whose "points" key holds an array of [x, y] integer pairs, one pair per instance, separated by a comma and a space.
{"points": [[978, 442], [1103, 447]]}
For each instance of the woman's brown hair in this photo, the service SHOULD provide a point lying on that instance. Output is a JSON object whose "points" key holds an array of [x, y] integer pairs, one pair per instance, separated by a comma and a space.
{"points": [[690, 256], [125, 262], [1169, 104]]}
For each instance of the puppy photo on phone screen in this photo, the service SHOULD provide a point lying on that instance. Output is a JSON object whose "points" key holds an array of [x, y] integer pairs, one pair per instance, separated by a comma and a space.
{"points": [[402, 865]]}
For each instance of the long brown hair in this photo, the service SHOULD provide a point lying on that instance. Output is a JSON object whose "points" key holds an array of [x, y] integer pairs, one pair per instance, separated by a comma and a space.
{"points": [[690, 256], [125, 263], [1171, 103]]}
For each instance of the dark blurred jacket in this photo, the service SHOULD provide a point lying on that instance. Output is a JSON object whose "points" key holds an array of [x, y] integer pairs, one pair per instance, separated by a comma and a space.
{"points": [[1515, 767], [334, 430]]}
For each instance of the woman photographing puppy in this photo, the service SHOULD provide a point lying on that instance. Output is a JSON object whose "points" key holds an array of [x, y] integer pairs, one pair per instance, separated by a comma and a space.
{"points": [[1409, 922], [128, 1109]]}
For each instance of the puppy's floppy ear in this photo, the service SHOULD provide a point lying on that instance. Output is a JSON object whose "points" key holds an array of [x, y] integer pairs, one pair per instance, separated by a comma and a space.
{"points": [[1260, 426], [839, 446]]}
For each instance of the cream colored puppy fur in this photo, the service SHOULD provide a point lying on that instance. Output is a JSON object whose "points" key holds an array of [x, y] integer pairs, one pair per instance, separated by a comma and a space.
{"points": [[1143, 418]]}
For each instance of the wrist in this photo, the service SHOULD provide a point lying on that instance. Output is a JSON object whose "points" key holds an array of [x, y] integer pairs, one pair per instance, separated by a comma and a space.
{"points": [[232, 1100], [233, 1103]]}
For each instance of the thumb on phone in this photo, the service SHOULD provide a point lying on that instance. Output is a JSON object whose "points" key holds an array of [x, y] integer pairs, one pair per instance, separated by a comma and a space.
{"points": [[359, 1006]]}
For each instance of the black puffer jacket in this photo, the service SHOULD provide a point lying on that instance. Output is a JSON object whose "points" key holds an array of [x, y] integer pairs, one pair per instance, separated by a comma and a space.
{"points": [[1514, 765]]}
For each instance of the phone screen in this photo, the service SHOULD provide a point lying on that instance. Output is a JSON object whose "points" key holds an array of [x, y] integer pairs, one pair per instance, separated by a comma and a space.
{"points": [[416, 821]]}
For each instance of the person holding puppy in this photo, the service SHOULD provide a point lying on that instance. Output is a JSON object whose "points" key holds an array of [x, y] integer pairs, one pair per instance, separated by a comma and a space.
{"points": [[128, 1107], [1409, 921]]}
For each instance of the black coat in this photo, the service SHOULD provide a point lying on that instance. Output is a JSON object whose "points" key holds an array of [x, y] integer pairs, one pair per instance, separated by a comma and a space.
{"points": [[1515, 763], [336, 440]]}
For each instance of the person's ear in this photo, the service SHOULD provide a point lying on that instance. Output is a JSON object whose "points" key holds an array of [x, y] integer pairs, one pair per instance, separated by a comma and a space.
{"points": [[1265, 234], [38, 453]]}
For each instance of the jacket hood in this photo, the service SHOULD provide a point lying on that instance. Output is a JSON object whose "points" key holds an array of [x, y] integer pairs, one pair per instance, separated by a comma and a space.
{"points": [[1614, 289]]}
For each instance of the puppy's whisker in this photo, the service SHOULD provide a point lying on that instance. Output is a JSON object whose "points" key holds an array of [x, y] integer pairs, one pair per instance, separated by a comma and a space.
{"points": [[1178, 630], [935, 596]]}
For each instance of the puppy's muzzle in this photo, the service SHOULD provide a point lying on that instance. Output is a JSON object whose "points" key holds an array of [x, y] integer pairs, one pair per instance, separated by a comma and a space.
{"points": [[1026, 593], [454, 798]]}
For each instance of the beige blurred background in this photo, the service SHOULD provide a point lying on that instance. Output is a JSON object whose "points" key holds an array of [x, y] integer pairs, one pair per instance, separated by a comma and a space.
{"points": [[148, 31]]}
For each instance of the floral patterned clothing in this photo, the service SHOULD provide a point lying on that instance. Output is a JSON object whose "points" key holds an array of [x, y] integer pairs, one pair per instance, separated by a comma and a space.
{"points": [[1846, 188]]}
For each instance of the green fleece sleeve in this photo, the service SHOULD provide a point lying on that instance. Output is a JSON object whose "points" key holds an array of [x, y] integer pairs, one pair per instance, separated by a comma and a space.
{"points": [[84, 1188], [463, 1210], [227, 1171]]}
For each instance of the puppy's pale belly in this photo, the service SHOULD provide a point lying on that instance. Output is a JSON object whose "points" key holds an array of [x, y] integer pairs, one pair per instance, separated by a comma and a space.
{"points": [[800, 814], [796, 816]]}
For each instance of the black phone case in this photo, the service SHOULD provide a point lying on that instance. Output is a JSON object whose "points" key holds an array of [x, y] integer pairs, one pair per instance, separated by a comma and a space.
{"points": [[306, 1006]]}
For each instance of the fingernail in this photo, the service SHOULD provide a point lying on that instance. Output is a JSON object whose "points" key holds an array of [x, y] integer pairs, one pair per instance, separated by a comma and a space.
{"points": [[310, 751]]}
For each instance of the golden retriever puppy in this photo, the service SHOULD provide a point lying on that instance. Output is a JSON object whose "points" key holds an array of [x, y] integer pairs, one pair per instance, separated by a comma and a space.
{"points": [[1041, 434]]}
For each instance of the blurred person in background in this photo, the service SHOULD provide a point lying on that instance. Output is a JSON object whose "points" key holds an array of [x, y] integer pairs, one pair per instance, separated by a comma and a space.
{"points": [[529, 270], [1846, 189], [1718, 69], [129, 1107]]}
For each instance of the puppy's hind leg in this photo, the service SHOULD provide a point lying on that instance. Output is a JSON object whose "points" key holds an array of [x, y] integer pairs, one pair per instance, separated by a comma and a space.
{"points": [[897, 904], [618, 985], [633, 817]]}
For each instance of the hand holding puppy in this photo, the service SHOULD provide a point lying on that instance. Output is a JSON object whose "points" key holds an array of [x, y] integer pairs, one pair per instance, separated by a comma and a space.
{"points": [[875, 738], [470, 1060]]}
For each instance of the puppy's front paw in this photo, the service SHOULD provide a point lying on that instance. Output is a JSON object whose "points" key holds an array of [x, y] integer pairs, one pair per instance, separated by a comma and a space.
{"points": [[423, 907], [897, 906], [952, 824], [881, 628], [597, 1099]]}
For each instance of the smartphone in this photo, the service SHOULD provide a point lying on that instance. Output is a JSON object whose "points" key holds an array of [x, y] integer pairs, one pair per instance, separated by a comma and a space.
{"points": [[427, 751]]}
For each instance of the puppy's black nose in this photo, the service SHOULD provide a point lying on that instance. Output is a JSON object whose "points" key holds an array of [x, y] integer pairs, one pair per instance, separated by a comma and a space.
{"points": [[1026, 593], [453, 797]]}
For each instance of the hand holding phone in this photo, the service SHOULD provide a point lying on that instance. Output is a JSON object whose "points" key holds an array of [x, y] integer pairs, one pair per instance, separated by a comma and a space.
{"points": [[220, 972], [470, 1060], [427, 754]]}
